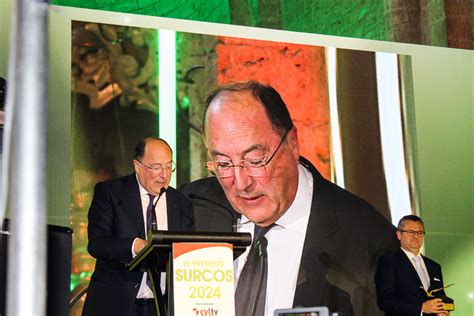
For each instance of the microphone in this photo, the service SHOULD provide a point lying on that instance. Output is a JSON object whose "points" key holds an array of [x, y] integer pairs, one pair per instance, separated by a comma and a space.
{"points": [[231, 213], [154, 224]]}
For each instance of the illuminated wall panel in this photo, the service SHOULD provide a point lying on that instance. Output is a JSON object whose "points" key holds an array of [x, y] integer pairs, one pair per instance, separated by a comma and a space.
{"points": [[298, 72]]}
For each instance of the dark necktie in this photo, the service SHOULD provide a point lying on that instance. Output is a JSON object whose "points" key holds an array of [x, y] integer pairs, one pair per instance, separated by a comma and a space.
{"points": [[149, 219], [251, 278], [149, 213], [150, 210]]}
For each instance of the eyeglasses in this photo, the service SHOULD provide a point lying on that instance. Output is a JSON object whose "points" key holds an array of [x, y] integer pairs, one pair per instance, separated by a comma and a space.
{"points": [[412, 233], [252, 167], [169, 167]]}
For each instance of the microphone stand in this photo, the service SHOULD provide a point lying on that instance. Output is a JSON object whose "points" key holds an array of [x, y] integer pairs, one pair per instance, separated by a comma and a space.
{"points": [[154, 224], [161, 300]]}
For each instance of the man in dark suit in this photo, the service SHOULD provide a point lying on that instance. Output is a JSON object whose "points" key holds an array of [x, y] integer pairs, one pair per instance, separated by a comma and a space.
{"points": [[323, 241], [402, 278], [118, 225]]}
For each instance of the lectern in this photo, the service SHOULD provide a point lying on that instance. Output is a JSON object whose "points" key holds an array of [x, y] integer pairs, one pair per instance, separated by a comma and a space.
{"points": [[156, 257]]}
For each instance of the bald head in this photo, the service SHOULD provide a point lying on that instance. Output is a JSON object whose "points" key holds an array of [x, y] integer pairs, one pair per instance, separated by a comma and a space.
{"points": [[141, 145], [239, 129], [265, 95], [153, 163]]}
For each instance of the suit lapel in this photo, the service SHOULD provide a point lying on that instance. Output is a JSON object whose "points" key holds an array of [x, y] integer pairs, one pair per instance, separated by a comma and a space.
{"points": [[408, 266], [172, 210], [433, 274], [132, 193], [320, 245]]}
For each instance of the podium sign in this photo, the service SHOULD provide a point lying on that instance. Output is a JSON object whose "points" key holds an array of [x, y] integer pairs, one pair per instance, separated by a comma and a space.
{"points": [[203, 279], [199, 270]]}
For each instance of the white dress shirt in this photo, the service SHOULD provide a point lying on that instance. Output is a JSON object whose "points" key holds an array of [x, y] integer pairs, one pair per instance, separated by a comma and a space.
{"points": [[162, 223], [285, 246], [423, 266]]}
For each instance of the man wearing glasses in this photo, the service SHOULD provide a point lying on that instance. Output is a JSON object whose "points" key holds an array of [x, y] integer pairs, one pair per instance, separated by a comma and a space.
{"points": [[402, 278], [123, 210], [322, 240]]}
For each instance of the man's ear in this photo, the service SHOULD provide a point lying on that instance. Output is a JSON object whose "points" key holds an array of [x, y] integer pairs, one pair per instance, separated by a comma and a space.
{"points": [[399, 235], [293, 141], [135, 165]]}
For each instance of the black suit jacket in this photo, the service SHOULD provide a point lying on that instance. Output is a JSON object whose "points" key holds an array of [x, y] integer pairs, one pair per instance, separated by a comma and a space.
{"points": [[398, 284], [115, 220], [212, 210], [345, 236]]}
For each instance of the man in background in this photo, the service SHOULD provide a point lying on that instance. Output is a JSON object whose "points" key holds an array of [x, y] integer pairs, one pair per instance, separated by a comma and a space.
{"points": [[120, 215], [323, 241], [402, 278]]}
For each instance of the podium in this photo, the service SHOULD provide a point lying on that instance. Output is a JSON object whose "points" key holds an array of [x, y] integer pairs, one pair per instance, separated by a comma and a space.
{"points": [[156, 257]]}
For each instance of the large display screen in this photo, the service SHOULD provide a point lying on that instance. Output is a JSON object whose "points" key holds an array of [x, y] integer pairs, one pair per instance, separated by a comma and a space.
{"points": [[110, 84]]}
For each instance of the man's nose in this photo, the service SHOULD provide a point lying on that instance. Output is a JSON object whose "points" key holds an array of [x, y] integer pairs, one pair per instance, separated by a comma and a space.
{"points": [[161, 173], [241, 180]]}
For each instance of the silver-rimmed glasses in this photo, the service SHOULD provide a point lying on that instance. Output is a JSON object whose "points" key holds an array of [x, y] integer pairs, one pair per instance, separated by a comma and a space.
{"points": [[156, 167], [253, 167]]}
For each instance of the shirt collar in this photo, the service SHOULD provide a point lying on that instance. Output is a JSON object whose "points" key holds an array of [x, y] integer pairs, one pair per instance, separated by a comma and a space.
{"points": [[140, 188], [143, 192], [410, 255]]}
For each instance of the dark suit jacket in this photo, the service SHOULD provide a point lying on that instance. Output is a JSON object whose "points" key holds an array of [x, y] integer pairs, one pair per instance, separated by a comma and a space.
{"points": [[115, 220], [344, 238], [398, 284], [212, 210]]}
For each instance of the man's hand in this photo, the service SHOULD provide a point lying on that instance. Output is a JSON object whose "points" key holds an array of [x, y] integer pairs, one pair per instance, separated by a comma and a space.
{"points": [[434, 306], [139, 245]]}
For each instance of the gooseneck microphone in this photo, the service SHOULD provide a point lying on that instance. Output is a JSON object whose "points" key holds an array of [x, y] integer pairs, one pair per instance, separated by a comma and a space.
{"points": [[154, 223], [231, 213]]}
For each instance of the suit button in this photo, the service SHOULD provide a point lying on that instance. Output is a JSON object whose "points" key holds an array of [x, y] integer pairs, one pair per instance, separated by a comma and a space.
{"points": [[136, 284]]}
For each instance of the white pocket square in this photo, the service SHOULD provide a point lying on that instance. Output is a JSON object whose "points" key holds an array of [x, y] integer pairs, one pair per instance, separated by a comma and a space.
{"points": [[436, 279]]}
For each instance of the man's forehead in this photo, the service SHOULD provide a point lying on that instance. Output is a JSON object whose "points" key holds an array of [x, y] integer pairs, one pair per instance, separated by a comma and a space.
{"points": [[156, 144], [157, 148], [234, 101], [254, 148], [413, 224], [237, 121], [227, 95], [243, 111]]}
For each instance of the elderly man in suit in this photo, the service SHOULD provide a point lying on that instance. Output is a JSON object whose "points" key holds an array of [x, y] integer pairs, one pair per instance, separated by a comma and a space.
{"points": [[323, 241], [403, 277], [119, 217]]}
